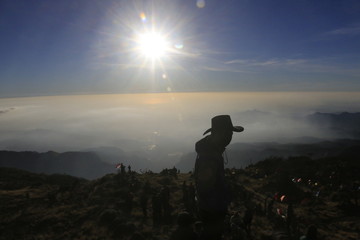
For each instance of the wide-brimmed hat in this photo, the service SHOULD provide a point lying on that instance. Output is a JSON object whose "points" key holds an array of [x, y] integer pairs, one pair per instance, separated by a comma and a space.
{"points": [[223, 122]]}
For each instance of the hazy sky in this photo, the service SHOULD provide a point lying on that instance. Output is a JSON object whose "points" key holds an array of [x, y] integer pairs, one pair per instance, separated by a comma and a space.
{"points": [[50, 47]]}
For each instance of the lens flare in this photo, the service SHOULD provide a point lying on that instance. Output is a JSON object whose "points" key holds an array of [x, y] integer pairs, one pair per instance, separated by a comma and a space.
{"points": [[200, 3], [142, 17], [179, 46]]}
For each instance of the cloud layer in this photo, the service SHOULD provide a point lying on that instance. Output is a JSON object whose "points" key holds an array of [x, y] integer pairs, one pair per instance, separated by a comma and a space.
{"points": [[160, 125]]}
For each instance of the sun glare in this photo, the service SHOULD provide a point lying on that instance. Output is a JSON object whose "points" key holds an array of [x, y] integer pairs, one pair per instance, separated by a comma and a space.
{"points": [[152, 45]]}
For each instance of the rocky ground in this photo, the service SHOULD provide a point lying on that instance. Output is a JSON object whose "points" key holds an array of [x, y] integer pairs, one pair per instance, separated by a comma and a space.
{"points": [[38, 206]]}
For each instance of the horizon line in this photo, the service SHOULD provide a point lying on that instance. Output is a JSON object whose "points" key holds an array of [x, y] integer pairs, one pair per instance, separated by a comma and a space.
{"points": [[163, 92]]}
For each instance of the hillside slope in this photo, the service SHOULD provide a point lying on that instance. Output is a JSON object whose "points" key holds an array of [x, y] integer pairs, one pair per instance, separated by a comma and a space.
{"points": [[81, 164], [39, 206]]}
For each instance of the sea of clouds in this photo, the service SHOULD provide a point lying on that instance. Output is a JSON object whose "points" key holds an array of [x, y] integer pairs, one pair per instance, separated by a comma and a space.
{"points": [[159, 126]]}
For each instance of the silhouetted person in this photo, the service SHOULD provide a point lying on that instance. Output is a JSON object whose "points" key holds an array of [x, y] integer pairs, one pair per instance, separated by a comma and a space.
{"points": [[212, 193], [184, 230], [173, 172], [122, 168], [129, 169]]}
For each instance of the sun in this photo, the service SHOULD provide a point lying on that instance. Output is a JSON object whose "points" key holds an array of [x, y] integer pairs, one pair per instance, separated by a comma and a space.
{"points": [[152, 45]]}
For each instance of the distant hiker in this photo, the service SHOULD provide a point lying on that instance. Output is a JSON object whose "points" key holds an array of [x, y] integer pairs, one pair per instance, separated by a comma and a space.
{"points": [[212, 193], [173, 172], [122, 168], [184, 230], [129, 169]]}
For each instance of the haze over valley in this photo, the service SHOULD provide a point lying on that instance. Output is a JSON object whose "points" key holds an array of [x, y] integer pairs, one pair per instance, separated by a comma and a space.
{"points": [[155, 131]]}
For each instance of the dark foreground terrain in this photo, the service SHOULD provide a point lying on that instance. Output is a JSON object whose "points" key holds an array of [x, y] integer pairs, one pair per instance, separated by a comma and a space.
{"points": [[323, 193]]}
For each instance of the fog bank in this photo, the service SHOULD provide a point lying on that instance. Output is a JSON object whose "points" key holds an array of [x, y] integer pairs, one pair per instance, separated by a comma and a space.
{"points": [[164, 126]]}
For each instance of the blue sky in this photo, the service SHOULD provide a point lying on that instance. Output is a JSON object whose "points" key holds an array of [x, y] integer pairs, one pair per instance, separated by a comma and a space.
{"points": [[67, 47]]}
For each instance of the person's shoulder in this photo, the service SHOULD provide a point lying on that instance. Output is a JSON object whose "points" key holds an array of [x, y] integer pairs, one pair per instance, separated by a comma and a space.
{"points": [[203, 145]]}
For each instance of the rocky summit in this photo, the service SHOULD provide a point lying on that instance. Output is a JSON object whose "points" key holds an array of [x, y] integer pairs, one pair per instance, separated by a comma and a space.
{"points": [[282, 197]]}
